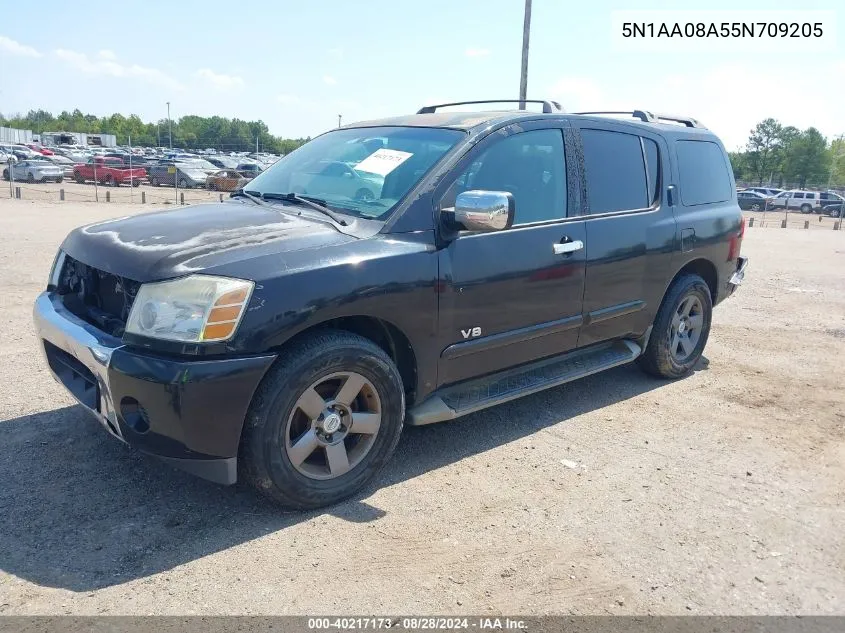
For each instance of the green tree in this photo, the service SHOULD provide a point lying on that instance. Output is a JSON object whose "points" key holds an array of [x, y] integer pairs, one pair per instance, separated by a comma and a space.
{"points": [[190, 131], [807, 158], [836, 178], [762, 148], [739, 164]]}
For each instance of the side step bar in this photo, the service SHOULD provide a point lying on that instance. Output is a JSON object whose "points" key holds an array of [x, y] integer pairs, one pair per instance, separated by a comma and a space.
{"points": [[467, 397]]}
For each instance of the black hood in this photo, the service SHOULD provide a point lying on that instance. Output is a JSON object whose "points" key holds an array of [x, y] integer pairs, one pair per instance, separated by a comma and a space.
{"points": [[172, 243]]}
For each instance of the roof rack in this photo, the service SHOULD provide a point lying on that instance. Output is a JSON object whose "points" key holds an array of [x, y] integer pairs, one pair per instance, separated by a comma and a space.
{"points": [[548, 106], [651, 117]]}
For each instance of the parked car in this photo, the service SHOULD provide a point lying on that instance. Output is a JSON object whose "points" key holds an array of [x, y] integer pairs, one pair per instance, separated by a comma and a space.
{"points": [[751, 200], [766, 191], [172, 173], [287, 341], [337, 178], [226, 180], [250, 170], [804, 201], [108, 171], [223, 162], [33, 170], [827, 198], [833, 210], [44, 151], [65, 163]]}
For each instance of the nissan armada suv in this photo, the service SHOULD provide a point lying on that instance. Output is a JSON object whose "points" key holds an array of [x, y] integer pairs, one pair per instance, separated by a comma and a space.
{"points": [[286, 335]]}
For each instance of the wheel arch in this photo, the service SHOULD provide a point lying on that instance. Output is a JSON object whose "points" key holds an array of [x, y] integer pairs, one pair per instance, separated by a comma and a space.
{"points": [[705, 269], [386, 335]]}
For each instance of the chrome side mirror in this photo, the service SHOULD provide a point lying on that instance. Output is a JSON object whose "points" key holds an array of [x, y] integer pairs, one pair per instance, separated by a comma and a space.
{"points": [[484, 210]]}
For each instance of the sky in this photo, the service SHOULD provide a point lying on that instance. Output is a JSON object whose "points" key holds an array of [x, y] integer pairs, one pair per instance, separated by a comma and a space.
{"points": [[297, 65]]}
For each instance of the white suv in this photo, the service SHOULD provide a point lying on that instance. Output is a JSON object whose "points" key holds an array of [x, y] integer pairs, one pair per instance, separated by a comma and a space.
{"points": [[805, 201]]}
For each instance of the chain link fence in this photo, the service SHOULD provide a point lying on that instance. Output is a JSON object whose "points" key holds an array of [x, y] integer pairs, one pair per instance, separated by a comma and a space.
{"points": [[146, 194]]}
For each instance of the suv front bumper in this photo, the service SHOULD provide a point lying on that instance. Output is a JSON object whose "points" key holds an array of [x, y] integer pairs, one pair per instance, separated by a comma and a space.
{"points": [[189, 413]]}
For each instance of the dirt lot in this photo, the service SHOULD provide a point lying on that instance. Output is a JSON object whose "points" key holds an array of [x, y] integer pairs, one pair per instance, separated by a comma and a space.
{"points": [[722, 493]]}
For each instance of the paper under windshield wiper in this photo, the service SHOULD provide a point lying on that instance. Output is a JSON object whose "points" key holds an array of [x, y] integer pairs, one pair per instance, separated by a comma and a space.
{"points": [[314, 203]]}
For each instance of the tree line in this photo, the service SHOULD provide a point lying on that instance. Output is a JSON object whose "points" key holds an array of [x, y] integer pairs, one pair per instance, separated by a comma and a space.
{"points": [[193, 132], [784, 156]]}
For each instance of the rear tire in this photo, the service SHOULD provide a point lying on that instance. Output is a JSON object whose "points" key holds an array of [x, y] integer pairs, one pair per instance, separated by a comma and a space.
{"points": [[275, 424], [30, 178], [78, 178], [671, 353], [154, 181], [5, 174]]}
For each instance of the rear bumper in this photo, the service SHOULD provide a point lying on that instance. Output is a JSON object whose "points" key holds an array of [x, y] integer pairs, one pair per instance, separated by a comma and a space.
{"points": [[189, 413], [738, 275]]}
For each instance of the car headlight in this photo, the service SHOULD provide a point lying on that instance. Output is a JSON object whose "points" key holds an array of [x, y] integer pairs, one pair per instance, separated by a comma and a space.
{"points": [[193, 309], [56, 270]]}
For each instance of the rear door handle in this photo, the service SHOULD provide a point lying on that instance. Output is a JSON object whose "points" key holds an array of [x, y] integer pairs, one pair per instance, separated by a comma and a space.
{"points": [[562, 248]]}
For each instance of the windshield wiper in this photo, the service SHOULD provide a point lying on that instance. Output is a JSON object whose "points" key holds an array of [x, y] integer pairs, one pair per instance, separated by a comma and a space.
{"points": [[315, 203], [240, 193]]}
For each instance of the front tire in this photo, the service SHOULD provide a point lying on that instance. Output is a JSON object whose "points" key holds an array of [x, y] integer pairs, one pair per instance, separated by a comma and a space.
{"points": [[680, 330], [806, 208], [324, 421]]}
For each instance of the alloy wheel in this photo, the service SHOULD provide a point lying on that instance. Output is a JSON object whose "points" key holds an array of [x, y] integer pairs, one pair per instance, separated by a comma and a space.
{"points": [[333, 425], [685, 329]]}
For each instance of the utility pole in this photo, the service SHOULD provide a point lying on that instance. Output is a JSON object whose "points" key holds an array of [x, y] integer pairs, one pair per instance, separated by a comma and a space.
{"points": [[339, 117], [523, 79], [169, 125]]}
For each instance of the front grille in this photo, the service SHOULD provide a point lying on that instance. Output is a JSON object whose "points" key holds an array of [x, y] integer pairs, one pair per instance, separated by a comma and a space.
{"points": [[100, 298]]}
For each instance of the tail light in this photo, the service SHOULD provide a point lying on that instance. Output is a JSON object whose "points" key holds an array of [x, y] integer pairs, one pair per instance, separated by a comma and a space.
{"points": [[736, 241]]}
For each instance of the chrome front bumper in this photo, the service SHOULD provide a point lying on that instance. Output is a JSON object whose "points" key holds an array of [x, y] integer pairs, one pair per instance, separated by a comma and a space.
{"points": [[91, 348]]}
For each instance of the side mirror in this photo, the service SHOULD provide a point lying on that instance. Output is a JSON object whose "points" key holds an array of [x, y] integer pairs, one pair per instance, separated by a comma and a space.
{"points": [[484, 210]]}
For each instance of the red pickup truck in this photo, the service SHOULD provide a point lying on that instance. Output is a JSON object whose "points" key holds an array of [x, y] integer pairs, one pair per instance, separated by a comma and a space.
{"points": [[108, 171]]}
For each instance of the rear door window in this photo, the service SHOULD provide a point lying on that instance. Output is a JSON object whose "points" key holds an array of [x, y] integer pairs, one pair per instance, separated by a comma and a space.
{"points": [[704, 173], [615, 171]]}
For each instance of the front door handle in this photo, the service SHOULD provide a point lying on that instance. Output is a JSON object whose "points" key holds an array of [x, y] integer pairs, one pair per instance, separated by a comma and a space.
{"points": [[564, 248]]}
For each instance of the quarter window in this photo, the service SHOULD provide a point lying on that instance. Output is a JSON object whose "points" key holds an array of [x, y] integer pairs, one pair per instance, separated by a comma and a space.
{"points": [[615, 171], [704, 173]]}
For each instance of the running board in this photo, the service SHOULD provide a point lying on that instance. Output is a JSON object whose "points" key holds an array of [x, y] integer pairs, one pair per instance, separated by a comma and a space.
{"points": [[467, 397]]}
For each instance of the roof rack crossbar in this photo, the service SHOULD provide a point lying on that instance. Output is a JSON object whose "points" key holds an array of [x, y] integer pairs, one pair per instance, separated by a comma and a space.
{"points": [[685, 120], [548, 106], [651, 117], [642, 115]]}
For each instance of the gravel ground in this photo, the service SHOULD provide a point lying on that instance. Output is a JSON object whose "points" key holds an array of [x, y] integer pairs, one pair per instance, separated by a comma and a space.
{"points": [[722, 493]]}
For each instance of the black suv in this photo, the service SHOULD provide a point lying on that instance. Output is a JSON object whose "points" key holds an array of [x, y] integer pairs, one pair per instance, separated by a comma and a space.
{"points": [[286, 335]]}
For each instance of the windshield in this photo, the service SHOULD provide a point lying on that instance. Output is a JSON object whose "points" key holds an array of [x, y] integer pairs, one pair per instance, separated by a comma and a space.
{"points": [[359, 171]]}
